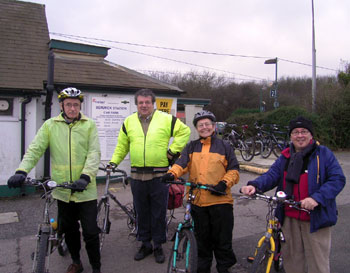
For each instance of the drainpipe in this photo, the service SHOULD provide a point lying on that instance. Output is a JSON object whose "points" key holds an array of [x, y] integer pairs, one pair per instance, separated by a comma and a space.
{"points": [[48, 103], [23, 124]]}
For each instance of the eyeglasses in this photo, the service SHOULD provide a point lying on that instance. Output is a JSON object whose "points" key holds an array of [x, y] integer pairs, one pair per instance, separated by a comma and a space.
{"points": [[302, 132], [71, 105], [202, 125]]}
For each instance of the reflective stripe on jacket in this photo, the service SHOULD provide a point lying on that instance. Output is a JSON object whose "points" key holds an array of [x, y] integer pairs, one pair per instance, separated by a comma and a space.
{"points": [[74, 150], [209, 161], [150, 150]]}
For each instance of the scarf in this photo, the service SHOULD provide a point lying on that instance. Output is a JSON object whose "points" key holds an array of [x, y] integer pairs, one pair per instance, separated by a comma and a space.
{"points": [[295, 166]]}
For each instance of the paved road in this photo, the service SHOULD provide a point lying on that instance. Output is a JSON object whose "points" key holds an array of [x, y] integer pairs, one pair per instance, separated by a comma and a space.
{"points": [[17, 240]]}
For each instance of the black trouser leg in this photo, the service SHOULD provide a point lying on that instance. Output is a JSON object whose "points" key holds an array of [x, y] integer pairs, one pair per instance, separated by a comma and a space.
{"points": [[150, 200], [69, 225], [213, 229], [86, 212], [88, 216], [201, 218]]}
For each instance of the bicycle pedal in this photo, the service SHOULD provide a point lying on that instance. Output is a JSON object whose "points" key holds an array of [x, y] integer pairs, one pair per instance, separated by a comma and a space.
{"points": [[250, 259]]}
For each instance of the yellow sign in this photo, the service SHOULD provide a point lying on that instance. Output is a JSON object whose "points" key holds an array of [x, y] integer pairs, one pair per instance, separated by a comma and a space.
{"points": [[164, 104]]}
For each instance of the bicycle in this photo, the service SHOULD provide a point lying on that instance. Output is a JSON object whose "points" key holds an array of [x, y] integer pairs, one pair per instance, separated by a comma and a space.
{"points": [[246, 146], [184, 255], [103, 206], [48, 237], [271, 141], [268, 249]]}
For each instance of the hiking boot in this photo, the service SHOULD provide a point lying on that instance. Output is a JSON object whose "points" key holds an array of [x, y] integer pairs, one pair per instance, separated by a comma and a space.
{"points": [[75, 268], [143, 253], [159, 255]]}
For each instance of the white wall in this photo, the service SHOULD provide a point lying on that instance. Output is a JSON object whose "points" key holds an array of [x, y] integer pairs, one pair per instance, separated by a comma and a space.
{"points": [[190, 111]]}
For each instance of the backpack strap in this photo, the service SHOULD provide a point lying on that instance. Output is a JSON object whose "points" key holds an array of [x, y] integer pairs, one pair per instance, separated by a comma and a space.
{"points": [[173, 121]]}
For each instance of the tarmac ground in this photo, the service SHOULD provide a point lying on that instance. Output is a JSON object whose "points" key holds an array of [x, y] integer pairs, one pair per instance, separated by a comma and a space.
{"points": [[19, 218]]}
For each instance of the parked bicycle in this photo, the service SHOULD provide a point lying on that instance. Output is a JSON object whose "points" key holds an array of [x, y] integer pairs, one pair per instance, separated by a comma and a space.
{"points": [[271, 140], [48, 237], [184, 256], [103, 206], [246, 146], [268, 249]]}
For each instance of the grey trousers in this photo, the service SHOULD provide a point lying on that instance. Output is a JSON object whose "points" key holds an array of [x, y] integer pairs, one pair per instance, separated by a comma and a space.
{"points": [[304, 251]]}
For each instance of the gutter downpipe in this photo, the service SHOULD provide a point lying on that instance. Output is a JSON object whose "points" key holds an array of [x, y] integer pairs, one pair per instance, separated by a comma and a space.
{"points": [[23, 124], [48, 103]]}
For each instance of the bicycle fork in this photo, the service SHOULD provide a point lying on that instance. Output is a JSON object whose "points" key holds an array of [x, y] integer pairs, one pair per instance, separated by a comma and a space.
{"points": [[267, 238]]}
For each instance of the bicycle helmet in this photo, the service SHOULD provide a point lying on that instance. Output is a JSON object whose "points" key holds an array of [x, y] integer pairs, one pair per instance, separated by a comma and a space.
{"points": [[72, 93], [203, 114]]}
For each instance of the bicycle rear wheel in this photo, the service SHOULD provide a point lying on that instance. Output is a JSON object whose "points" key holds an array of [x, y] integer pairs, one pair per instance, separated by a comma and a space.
{"points": [[40, 257], [248, 149], [261, 258], [184, 257], [266, 149], [279, 146], [103, 220]]}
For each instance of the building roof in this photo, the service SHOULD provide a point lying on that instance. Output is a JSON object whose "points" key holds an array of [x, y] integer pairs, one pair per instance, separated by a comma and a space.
{"points": [[24, 49], [24, 37]]}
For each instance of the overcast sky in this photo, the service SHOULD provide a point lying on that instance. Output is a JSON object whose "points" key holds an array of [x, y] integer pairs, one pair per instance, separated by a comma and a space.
{"points": [[257, 29]]}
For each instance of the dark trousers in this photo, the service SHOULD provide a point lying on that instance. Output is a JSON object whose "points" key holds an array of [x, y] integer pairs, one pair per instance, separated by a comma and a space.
{"points": [[68, 216], [213, 226], [150, 201]]}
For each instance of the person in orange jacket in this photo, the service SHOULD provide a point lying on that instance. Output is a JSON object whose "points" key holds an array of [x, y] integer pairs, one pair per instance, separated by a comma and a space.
{"points": [[210, 160]]}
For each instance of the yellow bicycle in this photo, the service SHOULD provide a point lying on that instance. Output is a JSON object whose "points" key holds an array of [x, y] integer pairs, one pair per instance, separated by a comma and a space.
{"points": [[268, 249]]}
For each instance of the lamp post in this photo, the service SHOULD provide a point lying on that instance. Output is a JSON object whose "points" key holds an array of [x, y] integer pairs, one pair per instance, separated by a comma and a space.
{"points": [[313, 61], [275, 84]]}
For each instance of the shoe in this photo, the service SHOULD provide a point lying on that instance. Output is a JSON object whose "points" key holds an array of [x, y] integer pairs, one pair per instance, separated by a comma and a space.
{"points": [[143, 253], [159, 255], [96, 271], [75, 268]]}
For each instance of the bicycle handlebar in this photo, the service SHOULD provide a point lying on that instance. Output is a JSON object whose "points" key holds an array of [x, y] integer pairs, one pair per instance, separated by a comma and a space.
{"points": [[194, 185], [113, 170], [49, 183], [280, 198]]}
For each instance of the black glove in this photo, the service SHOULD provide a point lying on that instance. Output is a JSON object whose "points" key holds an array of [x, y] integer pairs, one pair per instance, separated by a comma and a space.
{"points": [[167, 177], [81, 184], [172, 157], [16, 180], [220, 188]]}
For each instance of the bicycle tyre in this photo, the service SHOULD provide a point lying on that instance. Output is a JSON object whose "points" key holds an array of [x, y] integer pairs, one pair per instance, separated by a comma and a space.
{"points": [[258, 147], [103, 220], [184, 263], [279, 146], [248, 149], [266, 148], [260, 260], [40, 260]]}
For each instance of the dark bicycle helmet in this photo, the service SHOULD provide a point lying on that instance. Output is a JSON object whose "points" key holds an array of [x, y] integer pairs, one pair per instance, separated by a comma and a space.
{"points": [[72, 93], [203, 114]]}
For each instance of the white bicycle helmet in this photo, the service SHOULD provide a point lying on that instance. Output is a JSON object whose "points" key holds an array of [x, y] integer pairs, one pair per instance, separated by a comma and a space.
{"points": [[203, 114], [70, 92]]}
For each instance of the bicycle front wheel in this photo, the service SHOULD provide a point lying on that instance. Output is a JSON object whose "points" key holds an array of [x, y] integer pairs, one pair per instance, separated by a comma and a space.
{"points": [[103, 220], [261, 259], [248, 149], [40, 258], [184, 256]]}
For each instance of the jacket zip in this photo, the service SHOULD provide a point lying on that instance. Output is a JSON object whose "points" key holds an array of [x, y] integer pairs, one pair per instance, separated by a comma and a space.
{"points": [[70, 153]]}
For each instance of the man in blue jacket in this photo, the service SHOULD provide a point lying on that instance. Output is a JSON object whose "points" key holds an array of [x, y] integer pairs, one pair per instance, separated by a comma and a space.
{"points": [[309, 173]]}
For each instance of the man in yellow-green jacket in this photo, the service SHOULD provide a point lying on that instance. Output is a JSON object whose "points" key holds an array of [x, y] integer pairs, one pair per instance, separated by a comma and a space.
{"points": [[75, 156], [146, 134]]}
